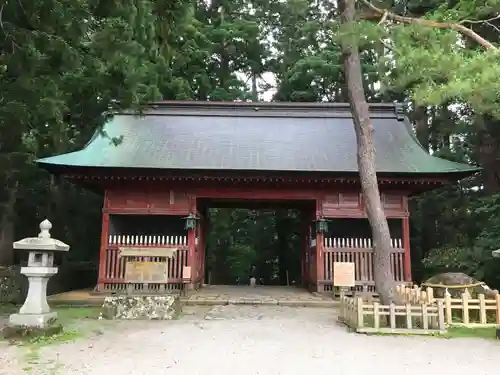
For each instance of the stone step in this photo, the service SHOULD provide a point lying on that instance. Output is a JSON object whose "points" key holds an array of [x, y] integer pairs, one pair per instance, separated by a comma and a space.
{"points": [[258, 302]]}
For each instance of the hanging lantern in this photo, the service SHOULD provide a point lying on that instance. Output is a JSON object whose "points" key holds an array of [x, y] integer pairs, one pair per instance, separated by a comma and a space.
{"points": [[321, 225], [191, 221]]}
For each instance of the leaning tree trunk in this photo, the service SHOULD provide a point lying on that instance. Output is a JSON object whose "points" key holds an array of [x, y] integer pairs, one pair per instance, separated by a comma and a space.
{"points": [[384, 281]]}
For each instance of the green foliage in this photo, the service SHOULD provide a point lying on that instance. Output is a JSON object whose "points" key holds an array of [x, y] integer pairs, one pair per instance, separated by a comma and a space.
{"points": [[242, 239], [58, 76], [474, 257], [440, 64]]}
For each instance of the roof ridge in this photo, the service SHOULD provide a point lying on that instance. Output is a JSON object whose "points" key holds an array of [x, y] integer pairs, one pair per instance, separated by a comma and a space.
{"points": [[262, 109]]}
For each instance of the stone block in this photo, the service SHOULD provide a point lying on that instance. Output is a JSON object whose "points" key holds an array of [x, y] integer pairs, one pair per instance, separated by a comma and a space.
{"points": [[33, 320], [165, 307], [25, 332]]}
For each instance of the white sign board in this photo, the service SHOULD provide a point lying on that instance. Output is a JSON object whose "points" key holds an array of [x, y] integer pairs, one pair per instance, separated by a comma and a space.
{"points": [[343, 274]]}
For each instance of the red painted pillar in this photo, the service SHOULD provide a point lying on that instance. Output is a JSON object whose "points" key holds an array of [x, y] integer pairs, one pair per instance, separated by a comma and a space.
{"points": [[320, 251], [103, 251], [204, 231], [191, 243], [406, 246], [304, 248], [320, 255]]}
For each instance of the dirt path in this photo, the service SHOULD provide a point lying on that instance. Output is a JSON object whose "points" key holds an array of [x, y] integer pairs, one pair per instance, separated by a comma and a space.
{"points": [[248, 340]]}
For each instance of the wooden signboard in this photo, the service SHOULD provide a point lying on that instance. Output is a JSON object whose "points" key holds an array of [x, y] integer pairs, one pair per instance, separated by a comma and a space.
{"points": [[162, 252], [343, 274], [186, 272], [146, 272]]}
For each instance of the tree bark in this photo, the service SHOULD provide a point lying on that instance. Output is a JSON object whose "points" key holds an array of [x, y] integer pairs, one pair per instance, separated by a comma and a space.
{"points": [[422, 126], [384, 280]]}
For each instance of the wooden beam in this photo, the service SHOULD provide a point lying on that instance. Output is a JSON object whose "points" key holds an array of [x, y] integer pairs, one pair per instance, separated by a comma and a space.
{"points": [[406, 245], [103, 251]]}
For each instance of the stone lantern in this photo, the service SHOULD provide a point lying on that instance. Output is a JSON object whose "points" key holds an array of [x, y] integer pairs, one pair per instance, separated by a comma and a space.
{"points": [[35, 311]]}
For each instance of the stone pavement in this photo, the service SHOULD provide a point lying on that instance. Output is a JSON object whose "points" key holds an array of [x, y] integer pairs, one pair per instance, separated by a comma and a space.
{"points": [[259, 295], [219, 295], [250, 340]]}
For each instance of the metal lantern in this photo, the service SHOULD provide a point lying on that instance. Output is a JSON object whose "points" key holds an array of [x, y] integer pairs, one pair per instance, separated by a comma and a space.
{"points": [[322, 225], [191, 221]]}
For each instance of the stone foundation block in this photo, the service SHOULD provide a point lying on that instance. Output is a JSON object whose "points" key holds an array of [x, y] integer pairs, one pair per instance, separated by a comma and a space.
{"points": [[33, 320], [141, 307]]}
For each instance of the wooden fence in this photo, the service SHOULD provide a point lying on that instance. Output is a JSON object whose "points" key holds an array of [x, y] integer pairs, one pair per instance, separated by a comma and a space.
{"points": [[373, 317], [360, 252], [464, 311], [114, 264]]}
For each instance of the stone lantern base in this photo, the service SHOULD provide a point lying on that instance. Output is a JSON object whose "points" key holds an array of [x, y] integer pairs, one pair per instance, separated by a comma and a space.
{"points": [[33, 320], [35, 312]]}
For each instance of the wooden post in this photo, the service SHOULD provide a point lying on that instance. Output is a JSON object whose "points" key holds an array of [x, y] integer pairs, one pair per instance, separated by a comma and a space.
{"points": [[360, 313], [203, 246], [406, 246], [447, 306], [430, 294], [304, 247], [482, 309], [392, 315], [103, 251], [409, 323], [320, 249], [440, 312], [465, 307], [191, 242], [425, 316], [320, 255], [497, 298], [376, 315]]}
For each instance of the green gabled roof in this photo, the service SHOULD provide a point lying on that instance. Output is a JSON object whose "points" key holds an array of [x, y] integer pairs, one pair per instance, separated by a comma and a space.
{"points": [[281, 137]]}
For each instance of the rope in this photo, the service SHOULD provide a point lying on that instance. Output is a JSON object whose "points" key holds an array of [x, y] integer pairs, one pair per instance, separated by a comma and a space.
{"points": [[454, 286]]}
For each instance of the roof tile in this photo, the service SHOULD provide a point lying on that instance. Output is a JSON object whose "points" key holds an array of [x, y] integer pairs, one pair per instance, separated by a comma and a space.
{"points": [[255, 137]]}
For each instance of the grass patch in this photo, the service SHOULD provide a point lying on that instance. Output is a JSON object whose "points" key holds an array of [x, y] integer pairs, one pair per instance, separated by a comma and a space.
{"points": [[70, 314], [476, 332], [76, 323], [58, 338]]}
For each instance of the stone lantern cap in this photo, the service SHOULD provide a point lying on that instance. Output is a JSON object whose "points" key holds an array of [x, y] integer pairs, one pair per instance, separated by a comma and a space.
{"points": [[496, 253], [43, 242]]}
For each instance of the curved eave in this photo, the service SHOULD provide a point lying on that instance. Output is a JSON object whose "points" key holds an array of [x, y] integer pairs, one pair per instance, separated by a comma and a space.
{"points": [[59, 169]]}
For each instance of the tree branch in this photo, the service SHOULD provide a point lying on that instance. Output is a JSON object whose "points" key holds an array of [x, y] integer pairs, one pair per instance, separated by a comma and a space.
{"points": [[429, 23]]}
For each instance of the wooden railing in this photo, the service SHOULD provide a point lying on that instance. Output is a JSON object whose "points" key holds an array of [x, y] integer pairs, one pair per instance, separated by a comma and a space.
{"points": [[360, 252], [372, 317], [464, 310], [147, 240], [114, 264]]}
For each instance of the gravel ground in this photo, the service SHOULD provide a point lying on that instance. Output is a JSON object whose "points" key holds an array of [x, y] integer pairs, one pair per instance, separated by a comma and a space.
{"points": [[246, 340]]}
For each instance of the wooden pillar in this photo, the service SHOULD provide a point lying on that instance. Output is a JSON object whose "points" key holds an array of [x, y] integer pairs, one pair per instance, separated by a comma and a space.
{"points": [[191, 243], [320, 251], [406, 246], [200, 248], [320, 255], [204, 232], [304, 248], [103, 251]]}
